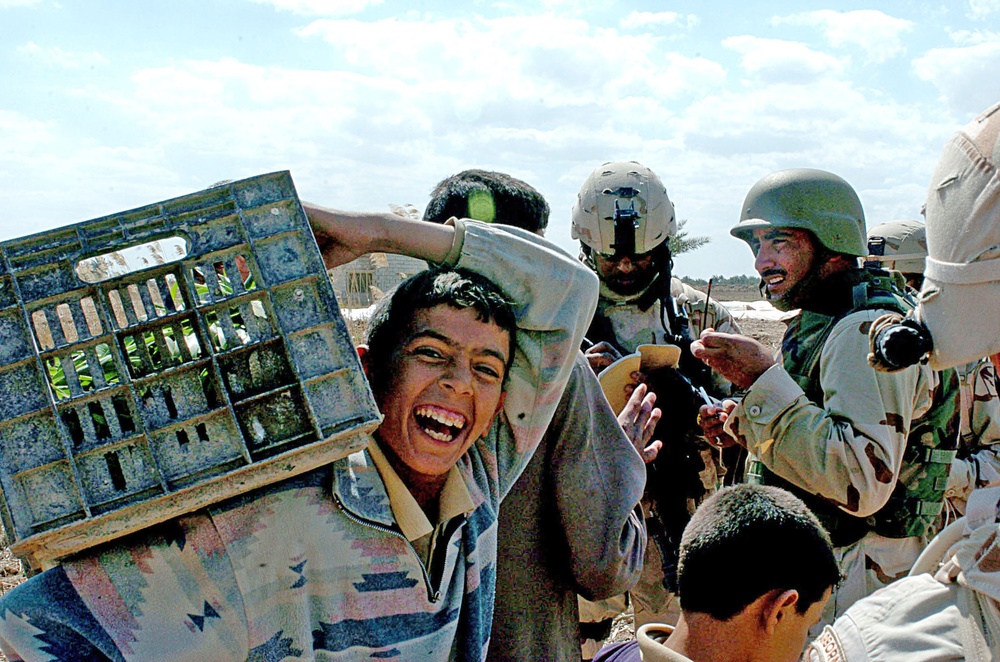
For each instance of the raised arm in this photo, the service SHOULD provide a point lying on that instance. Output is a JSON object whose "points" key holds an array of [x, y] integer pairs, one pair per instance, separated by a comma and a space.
{"points": [[345, 235]]}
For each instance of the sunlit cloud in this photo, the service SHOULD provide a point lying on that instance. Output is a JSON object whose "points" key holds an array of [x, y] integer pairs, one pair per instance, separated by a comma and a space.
{"points": [[777, 61], [965, 77], [982, 8], [321, 7], [55, 56], [876, 34]]}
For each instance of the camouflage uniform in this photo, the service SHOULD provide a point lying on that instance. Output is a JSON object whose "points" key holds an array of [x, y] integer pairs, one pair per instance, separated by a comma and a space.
{"points": [[847, 448], [978, 462], [633, 327], [902, 246], [952, 615]]}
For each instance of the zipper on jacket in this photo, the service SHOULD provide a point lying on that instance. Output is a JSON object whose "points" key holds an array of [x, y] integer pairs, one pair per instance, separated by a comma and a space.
{"points": [[433, 593]]}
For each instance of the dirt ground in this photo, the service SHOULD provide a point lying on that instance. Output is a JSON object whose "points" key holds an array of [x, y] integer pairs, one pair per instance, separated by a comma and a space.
{"points": [[766, 331]]}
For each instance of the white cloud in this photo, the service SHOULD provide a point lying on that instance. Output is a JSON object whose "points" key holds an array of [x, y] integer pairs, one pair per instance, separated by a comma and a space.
{"points": [[982, 8], [55, 56], [664, 18], [966, 77], [537, 60], [95, 179], [27, 134], [776, 61], [877, 34], [972, 37], [394, 105], [321, 7]]}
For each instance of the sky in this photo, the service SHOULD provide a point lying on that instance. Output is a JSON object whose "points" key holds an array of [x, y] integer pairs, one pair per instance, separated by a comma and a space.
{"points": [[108, 106]]}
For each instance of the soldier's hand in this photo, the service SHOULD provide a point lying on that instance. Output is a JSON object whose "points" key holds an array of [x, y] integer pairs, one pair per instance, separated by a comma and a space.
{"points": [[740, 359], [712, 421], [601, 356], [639, 419]]}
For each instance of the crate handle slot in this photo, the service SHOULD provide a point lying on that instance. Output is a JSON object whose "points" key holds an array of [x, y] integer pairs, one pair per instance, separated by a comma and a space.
{"points": [[121, 262]]}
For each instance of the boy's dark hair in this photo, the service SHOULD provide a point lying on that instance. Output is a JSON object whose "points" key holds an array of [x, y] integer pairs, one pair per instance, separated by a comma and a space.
{"points": [[747, 540], [488, 196], [393, 316]]}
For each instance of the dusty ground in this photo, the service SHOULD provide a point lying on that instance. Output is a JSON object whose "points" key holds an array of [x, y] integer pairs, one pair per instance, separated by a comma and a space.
{"points": [[10, 569]]}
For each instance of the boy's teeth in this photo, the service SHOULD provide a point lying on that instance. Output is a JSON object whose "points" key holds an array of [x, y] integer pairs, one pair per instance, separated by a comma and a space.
{"points": [[440, 436], [453, 420]]}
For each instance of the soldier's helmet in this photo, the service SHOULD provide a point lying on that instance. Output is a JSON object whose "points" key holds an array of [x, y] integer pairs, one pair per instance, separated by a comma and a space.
{"points": [[899, 245], [806, 199], [623, 209], [961, 292]]}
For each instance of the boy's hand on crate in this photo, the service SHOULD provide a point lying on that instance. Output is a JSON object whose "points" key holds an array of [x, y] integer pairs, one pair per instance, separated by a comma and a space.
{"points": [[343, 236]]}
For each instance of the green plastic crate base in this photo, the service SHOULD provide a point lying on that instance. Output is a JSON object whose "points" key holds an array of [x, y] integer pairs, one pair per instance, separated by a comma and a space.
{"points": [[160, 360]]}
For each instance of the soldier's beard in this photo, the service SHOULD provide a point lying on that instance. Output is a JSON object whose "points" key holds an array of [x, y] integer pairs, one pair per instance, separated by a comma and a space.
{"points": [[800, 293], [630, 287]]}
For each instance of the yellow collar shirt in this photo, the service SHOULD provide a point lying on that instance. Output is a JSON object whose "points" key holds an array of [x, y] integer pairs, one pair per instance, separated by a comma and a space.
{"points": [[454, 501]]}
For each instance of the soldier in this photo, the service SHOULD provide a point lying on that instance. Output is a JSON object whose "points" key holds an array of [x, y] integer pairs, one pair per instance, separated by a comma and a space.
{"points": [[958, 305], [902, 246], [821, 423], [624, 220], [954, 615]]}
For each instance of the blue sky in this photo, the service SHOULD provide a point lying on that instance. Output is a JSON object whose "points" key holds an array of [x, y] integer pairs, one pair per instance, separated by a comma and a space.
{"points": [[106, 106]]}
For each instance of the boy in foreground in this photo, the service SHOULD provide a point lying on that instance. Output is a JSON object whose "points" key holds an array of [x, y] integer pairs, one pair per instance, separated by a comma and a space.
{"points": [[756, 569], [389, 552]]}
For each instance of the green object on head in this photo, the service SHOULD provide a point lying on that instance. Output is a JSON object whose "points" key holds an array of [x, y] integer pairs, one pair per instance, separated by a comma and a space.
{"points": [[481, 207]]}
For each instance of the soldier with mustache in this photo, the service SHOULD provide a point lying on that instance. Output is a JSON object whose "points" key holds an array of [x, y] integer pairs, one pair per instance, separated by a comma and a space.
{"points": [[818, 420]]}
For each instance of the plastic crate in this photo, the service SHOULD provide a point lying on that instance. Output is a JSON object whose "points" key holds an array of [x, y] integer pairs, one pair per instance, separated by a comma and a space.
{"points": [[127, 401]]}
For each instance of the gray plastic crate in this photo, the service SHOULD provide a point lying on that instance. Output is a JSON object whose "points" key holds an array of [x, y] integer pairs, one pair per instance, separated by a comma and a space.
{"points": [[128, 400]]}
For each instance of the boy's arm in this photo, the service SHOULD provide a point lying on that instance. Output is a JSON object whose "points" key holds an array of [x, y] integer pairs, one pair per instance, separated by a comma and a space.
{"points": [[597, 479], [554, 297], [345, 235]]}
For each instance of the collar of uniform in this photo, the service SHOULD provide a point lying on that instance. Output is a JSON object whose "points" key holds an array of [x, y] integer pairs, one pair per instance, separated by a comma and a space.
{"points": [[454, 499]]}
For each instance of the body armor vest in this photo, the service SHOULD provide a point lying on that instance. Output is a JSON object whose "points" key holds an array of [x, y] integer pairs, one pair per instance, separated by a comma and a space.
{"points": [[918, 497]]}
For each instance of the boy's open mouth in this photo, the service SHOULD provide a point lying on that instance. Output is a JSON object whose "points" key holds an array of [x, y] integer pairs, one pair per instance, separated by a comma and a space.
{"points": [[439, 424]]}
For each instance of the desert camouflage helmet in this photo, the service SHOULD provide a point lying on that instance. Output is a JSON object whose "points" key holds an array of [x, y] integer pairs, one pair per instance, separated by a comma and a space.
{"points": [[623, 209], [962, 286], [807, 199], [899, 245]]}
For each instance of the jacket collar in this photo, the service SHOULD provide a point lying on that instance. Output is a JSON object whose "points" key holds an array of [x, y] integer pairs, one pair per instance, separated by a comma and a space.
{"points": [[358, 486]]}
